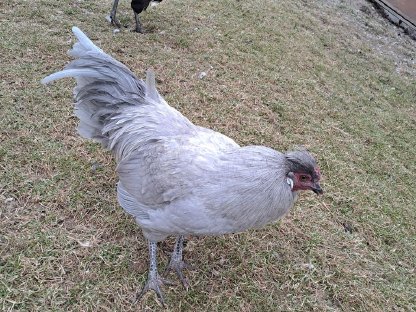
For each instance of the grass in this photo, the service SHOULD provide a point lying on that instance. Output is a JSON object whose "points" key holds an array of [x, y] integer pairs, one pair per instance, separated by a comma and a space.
{"points": [[328, 75]]}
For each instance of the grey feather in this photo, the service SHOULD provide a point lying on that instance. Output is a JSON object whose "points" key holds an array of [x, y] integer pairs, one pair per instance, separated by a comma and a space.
{"points": [[175, 178], [130, 204], [151, 91]]}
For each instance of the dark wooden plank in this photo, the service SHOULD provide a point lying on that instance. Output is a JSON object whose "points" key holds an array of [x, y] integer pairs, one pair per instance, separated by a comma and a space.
{"points": [[400, 12]]}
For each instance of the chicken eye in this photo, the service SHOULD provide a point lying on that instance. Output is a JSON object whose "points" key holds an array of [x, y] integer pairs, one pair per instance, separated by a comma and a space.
{"points": [[303, 178]]}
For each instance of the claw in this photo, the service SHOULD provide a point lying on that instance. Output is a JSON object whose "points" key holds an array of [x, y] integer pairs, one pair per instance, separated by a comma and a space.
{"points": [[154, 280], [113, 18], [153, 283], [177, 264], [115, 22]]}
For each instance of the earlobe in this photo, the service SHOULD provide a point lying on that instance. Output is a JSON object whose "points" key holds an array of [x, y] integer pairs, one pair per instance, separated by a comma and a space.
{"points": [[290, 182], [289, 179]]}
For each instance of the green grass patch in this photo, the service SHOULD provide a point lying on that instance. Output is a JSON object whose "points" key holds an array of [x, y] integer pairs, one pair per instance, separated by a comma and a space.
{"points": [[327, 75]]}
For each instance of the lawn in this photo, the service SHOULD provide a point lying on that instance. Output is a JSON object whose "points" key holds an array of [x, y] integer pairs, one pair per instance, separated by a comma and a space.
{"points": [[333, 76]]}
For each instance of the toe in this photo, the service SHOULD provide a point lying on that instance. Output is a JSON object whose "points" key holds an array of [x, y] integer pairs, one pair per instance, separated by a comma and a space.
{"points": [[154, 283]]}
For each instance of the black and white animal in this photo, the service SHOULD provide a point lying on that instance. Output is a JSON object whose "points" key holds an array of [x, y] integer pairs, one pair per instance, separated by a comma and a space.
{"points": [[138, 7], [177, 178]]}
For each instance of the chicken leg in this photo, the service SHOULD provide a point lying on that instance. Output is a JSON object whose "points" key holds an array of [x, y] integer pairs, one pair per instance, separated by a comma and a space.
{"points": [[154, 280], [138, 24], [113, 12], [176, 262]]}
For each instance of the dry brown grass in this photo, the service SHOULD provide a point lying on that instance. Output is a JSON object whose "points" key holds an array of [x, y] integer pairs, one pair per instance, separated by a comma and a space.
{"points": [[324, 74]]}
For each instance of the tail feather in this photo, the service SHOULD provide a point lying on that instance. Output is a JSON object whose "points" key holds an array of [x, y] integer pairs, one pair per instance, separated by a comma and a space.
{"points": [[151, 91], [70, 73], [115, 107], [104, 86], [83, 45]]}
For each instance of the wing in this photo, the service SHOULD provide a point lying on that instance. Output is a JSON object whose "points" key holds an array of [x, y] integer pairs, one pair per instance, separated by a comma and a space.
{"points": [[168, 169]]}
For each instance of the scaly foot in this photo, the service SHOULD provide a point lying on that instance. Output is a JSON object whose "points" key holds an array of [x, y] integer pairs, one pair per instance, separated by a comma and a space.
{"points": [[154, 281], [177, 264]]}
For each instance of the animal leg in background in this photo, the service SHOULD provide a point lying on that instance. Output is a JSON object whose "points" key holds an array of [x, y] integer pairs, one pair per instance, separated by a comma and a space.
{"points": [[138, 7], [138, 24], [113, 18]]}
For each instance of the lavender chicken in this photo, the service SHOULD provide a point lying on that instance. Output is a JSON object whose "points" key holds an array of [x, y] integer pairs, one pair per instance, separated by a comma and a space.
{"points": [[176, 178]]}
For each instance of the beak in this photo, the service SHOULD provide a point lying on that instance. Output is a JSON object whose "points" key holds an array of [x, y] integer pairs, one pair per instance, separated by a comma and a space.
{"points": [[316, 188]]}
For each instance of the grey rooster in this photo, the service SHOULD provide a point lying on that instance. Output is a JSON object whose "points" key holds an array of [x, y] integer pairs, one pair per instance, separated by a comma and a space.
{"points": [[138, 7], [176, 178]]}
